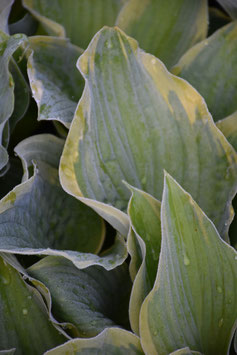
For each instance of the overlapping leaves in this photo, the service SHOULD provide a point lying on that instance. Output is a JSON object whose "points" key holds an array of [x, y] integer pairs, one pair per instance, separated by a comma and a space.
{"points": [[215, 55], [24, 319], [134, 119], [62, 226], [193, 300]]}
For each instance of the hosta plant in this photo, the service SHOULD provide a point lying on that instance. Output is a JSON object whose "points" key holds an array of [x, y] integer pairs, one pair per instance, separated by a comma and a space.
{"points": [[118, 176]]}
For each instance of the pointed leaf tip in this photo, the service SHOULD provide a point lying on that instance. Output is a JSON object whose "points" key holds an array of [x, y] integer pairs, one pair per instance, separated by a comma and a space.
{"points": [[196, 268]]}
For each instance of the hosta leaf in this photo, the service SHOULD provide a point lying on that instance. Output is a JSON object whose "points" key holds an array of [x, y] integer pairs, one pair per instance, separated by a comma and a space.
{"points": [[228, 126], [8, 352], [216, 60], [133, 120], [77, 19], [144, 213], [165, 29], [21, 95], [5, 8], [230, 7], [193, 302], [8, 45], [61, 226], [3, 158], [135, 251], [112, 341], [55, 81], [185, 351], [62, 131], [42, 147], [24, 321], [44, 291], [92, 299]]}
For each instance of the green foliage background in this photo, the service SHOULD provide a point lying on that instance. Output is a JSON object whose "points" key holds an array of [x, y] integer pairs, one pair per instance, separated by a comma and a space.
{"points": [[118, 177]]}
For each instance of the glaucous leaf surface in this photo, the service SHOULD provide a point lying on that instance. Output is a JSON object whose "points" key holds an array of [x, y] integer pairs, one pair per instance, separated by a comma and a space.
{"points": [[44, 291], [55, 82], [47, 148], [61, 226], [92, 299], [166, 29], [144, 214], [42, 147], [21, 95], [230, 7], [211, 67], [78, 20], [228, 127], [3, 160], [112, 341], [8, 45], [24, 322], [185, 351], [5, 8], [8, 352], [135, 252], [193, 302], [134, 120]]}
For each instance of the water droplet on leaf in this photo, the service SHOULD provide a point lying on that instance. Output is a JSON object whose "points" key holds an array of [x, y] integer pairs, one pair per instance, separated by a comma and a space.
{"points": [[186, 260], [24, 311], [221, 322], [143, 180], [109, 44]]}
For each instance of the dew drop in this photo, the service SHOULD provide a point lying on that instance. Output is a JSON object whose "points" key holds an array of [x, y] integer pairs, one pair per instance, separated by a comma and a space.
{"points": [[186, 260], [153, 61], [155, 332], [221, 322], [24, 311], [29, 297], [5, 280], [109, 45], [219, 289], [143, 180]]}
